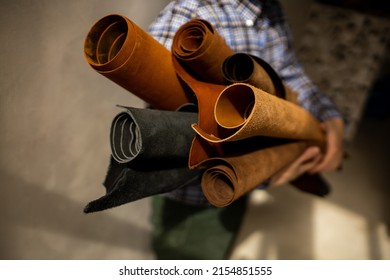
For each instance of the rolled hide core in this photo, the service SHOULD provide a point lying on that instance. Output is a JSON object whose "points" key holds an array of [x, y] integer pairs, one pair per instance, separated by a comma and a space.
{"points": [[121, 51]]}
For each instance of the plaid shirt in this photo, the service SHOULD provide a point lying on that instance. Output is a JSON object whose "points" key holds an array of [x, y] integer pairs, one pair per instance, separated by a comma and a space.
{"points": [[256, 27]]}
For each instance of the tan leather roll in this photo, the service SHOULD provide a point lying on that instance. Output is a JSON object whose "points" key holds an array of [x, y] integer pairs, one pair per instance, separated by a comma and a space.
{"points": [[202, 50], [229, 178], [245, 111], [121, 51]]}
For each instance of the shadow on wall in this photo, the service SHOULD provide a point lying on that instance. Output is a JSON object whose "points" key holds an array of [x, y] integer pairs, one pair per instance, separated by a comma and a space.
{"points": [[29, 207]]}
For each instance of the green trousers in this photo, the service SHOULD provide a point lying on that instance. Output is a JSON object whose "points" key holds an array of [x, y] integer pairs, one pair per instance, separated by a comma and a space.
{"points": [[185, 232]]}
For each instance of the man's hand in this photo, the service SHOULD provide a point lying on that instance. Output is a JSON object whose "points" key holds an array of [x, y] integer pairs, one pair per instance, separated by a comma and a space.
{"points": [[334, 129], [312, 160]]}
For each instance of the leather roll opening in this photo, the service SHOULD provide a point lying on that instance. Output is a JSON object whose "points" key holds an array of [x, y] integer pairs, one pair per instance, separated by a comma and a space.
{"points": [[239, 67], [125, 138], [105, 41], [220, 192], [234, 106]]}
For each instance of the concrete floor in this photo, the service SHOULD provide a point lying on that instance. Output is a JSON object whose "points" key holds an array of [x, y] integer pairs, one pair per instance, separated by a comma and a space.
{"points": [[55, 115], [352, 223]]}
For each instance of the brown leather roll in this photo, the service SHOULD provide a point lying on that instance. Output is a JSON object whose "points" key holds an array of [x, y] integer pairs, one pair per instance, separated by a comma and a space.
{"points": [[245, 111], [244, 68], [250, 69], [202, 50], [229, 178], [121, 51]]}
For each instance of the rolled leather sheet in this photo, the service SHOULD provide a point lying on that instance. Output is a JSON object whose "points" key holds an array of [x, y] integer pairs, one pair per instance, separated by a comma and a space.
{"points": [[245, 111], [148, 135], [121, 51], [229, 178], [207, 94], [152, 147], [250, 69], [246, 68], [126, 182], [198, 54], [202, 50]]}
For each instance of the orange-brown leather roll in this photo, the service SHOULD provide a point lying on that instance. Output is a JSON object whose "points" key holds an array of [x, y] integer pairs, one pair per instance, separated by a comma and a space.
{"points": [[206, 94], [198, 53], [245, 111], [229, 178], [121, 51], [200, 48]]}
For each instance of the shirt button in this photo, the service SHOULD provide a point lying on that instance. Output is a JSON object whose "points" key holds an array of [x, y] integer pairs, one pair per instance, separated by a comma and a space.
{"points": [[249, 22]]}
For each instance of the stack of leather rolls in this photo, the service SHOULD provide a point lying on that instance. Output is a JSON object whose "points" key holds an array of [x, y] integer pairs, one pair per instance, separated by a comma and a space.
{"points": [[224, 116]]}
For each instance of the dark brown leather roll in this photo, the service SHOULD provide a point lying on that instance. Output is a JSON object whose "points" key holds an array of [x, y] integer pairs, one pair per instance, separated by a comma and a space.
{"points": [[202, 50], [229, 178], [244, 68], [121, 51], [250, 69]]}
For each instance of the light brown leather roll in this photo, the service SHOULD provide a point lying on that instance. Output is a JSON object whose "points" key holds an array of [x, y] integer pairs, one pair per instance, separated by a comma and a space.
{"points": [[121, 51], [202, 50], [245, 111], [229, 178]]}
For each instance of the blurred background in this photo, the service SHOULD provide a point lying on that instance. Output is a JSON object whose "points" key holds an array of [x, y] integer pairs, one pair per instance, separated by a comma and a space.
{"points": [[56, 112]]}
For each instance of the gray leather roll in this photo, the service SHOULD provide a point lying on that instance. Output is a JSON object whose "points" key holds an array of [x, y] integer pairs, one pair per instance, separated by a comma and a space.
{"points": [[151, 149]]}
